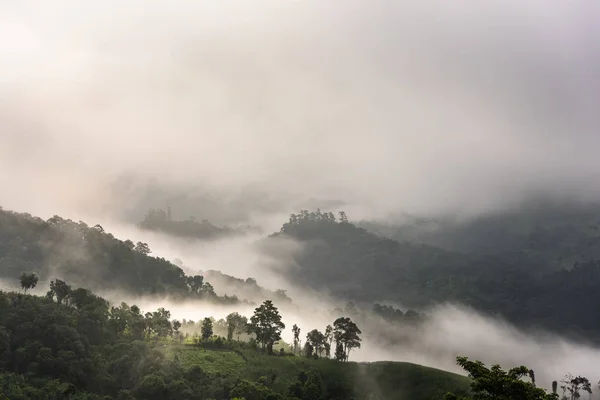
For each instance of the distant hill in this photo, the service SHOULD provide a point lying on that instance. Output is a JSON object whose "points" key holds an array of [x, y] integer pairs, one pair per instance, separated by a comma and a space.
{"points": [[353, 263], [160, 220], [244, 288], [549, 234], [90, 257]]}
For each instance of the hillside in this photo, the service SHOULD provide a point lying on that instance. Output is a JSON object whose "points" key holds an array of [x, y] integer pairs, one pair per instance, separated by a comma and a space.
{"points": [[161, 221], [379, 380], [352, 263], [73, 344], [90, 257], [546, 234]]}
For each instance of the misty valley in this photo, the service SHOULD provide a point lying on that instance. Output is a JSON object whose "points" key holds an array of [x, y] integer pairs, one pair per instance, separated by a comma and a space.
{"points": [[347, 314], [299, 200]]}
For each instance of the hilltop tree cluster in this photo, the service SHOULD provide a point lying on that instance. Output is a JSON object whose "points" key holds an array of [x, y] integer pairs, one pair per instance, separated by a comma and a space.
{"points": [[315, 217]]}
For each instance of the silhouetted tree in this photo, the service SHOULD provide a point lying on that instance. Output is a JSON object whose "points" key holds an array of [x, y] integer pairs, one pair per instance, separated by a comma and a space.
{"points": [[266, 325], [574, 385], [296, 332], [28, 281], [494, 383], [346, 333], [317, 341], [142, 248]]}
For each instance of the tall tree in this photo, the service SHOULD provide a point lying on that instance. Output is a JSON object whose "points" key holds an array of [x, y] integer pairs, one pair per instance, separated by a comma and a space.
{"points": [[317, 341], [347, 334], [574, 385], [28, 281], [266, 325], [207, 328], [296, 332]]}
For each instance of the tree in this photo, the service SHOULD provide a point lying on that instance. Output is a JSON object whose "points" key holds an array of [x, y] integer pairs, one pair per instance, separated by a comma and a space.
{"points": [[207, 328], [266, 325], [347, 334], [494, 383], [296, 332], [194, 283], [317, 340], [308, 350], [142, 248], [207, 291], [340, 355], [60, 290], [158, 323], [28, 281], [575, 385], [236, 323]]}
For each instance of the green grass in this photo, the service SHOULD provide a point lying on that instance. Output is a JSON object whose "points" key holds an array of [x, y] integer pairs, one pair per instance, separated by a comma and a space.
{"points": [[382, 380]]}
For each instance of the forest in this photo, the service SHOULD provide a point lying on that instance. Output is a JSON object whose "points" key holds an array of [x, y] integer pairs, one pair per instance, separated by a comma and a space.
{"points": [[72, 343], [354, 263]]}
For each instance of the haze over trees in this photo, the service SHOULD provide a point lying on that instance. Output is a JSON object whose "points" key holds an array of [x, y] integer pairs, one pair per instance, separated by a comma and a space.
{"points": [[157, 219], [74, 344], [353, 263]]}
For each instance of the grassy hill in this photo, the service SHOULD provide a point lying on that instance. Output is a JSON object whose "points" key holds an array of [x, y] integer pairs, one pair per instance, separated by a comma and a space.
{"points": [[382, 380]]}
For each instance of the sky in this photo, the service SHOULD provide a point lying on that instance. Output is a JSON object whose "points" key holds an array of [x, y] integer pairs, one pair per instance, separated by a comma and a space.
{"points": [[384, 106]]}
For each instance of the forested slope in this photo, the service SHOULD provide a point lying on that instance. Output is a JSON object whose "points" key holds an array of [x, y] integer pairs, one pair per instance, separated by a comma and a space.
{"points": [[75, 345], [90, 257], [352, 263]]}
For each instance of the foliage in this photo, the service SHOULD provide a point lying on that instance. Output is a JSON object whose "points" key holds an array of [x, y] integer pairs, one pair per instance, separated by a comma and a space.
{"points": [[495, 383], [266, 325], [346, 335], [352, 263], [237, 324], [89, 256], [207, 328], [28, 281], [316, 340], [574, 385]]}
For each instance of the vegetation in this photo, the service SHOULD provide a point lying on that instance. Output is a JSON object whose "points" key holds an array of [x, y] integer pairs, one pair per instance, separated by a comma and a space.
{"points": [[74, 344], [88, 256], [157, 219], [494, 383], [352, 263]]}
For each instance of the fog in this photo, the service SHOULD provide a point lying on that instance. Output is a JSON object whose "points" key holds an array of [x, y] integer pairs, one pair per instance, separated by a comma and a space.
{"points": [[422, 106], [450, 330], [247, 111]]}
